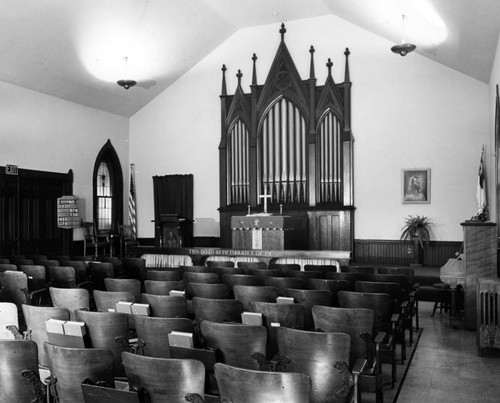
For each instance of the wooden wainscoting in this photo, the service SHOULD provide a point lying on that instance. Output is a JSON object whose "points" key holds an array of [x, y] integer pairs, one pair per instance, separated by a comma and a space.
{"points": [[402, 252]]}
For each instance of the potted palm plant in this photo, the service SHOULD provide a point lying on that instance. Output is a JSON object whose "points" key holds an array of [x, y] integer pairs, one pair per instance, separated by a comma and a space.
{"points": [[417, 229]]}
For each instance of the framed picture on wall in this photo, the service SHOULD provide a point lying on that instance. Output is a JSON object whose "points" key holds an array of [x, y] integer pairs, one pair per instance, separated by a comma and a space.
{"points": [[416, 186]]}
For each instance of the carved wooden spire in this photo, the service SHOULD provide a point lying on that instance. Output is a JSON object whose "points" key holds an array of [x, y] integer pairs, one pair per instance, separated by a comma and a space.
{"points": [[347, 78], [282, 32], [224, 89], [311, 72], [329, 65], [239, 75], [254, 72]]}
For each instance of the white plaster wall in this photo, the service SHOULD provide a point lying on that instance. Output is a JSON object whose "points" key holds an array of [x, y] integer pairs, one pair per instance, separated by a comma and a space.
{"points": [[41, 132], [407, 112], [494, 81]]}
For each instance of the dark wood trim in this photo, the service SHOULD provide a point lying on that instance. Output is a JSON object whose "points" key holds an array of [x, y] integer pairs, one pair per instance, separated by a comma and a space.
{"points": [[28, 212], [375, 251]]}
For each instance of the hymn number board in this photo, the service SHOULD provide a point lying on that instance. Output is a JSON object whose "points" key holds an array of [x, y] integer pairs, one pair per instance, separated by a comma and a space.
{"points": [[68, 212]]}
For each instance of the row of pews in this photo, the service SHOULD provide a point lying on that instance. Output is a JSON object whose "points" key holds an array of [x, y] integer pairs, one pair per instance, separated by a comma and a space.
{"points": [[327, 345]]}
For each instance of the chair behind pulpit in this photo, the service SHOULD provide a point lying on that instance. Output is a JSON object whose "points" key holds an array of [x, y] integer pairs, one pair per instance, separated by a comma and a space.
{"points": [[93, 239]]}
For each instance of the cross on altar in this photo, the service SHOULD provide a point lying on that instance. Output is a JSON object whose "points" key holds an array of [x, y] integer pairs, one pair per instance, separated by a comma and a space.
{"points": [[265, 196]]}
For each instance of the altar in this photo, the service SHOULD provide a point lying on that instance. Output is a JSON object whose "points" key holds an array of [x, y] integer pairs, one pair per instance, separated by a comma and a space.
{"points": [[261, 232]]}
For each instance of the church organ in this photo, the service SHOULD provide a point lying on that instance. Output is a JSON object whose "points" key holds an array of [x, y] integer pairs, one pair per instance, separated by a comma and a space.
{"points": [[291, 139]]}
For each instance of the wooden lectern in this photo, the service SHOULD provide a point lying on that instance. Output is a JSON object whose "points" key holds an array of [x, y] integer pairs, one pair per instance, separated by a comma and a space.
{"points": [[173, 231], [266, 232], [479, 260]]}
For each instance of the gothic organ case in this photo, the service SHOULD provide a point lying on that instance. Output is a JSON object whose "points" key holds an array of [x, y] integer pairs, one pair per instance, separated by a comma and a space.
{"points": [[291, 139]]}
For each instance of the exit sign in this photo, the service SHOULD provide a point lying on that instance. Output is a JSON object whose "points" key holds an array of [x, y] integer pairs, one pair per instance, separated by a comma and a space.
{"points": [[11, 169]]}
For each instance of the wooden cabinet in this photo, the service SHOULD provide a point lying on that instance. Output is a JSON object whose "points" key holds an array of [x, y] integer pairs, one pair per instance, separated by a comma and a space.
{"points": [[330, 230]]}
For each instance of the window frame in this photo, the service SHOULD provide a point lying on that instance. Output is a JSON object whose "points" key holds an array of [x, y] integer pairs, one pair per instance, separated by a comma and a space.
{"points": [[108, 155]]}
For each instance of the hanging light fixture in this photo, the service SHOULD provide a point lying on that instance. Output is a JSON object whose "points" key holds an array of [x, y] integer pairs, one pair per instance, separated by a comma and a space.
{"points": [[127, 83], [403, 48]]}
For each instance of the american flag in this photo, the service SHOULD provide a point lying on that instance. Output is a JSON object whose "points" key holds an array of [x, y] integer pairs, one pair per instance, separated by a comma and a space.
{"points": [[132, 218]]}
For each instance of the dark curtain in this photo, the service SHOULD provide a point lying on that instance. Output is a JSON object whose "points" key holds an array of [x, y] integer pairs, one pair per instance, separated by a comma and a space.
{"points": [[173, 194]]}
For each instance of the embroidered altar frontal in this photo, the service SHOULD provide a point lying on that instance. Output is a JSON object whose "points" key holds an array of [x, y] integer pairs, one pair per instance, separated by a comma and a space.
{"points": [[261, 232]]}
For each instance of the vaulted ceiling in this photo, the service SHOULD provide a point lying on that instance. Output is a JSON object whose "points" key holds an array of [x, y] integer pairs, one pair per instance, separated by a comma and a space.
{"points": [[77, 49]]}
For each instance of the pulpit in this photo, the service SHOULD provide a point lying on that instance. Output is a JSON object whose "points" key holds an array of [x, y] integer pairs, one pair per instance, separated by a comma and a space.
{"points": [[479, 260], [173, 231], [261, 232]]}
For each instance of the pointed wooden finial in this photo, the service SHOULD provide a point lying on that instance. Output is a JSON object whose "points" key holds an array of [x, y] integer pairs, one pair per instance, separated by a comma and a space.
{"points": [[254, 72], [311, 71], [239, 75], [224, 89], [347, 78], [282, 32], [329, 65]]}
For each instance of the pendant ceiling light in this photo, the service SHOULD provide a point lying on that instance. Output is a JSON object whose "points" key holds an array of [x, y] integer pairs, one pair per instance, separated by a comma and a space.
{"points": [[128, 83], [403, 48]]}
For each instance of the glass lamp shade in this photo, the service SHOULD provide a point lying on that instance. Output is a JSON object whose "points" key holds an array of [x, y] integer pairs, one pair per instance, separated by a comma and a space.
{"points": [[404, 48], [126, 83]]}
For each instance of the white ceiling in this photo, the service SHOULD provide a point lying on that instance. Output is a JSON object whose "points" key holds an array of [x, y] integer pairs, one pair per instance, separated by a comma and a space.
{"points": [[74, 49]]}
